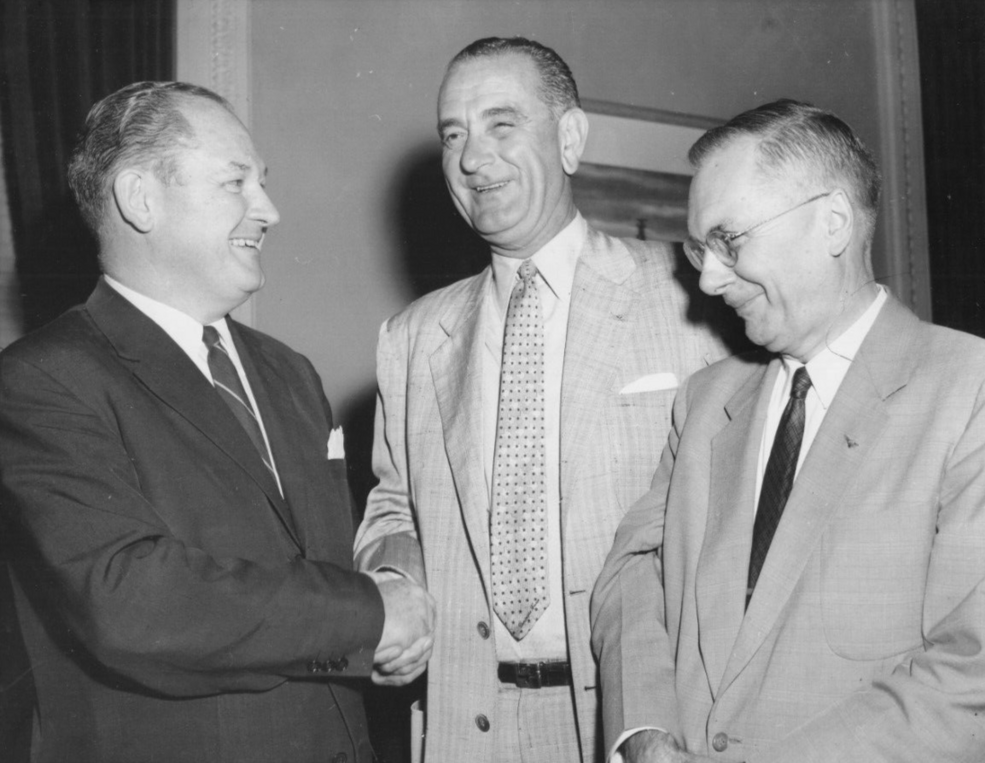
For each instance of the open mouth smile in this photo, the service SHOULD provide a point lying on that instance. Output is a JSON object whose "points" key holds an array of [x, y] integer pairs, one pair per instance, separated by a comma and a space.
{"points": [[251, 243], [490, 187]]}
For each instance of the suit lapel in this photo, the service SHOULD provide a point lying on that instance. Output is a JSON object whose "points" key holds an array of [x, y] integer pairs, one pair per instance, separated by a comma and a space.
{"points": [[164, 369], [456, 369], [720, 587], [601, 319], [850, 429]]}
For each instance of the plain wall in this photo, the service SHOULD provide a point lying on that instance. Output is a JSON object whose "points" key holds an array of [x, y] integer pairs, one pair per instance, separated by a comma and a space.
{"points": [[344, 95]]}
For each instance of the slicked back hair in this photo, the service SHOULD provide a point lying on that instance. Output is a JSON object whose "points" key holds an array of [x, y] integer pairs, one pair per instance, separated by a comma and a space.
{"points": [[557, 85], [140, 124], [793, 135]]}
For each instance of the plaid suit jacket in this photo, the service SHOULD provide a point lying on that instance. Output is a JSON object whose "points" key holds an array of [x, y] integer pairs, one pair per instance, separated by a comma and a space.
{"points": [[429, 513]]}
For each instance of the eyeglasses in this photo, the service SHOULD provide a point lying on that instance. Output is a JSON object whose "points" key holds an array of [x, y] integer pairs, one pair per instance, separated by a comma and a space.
{"points": [[719, 243]]}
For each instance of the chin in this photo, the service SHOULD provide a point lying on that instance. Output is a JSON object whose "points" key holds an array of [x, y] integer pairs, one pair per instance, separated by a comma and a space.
{"points": [[757, 336]]}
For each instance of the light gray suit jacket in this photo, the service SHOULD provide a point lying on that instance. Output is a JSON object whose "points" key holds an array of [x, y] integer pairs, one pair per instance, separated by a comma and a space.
{"points": [[865, 639], [429, 514]]}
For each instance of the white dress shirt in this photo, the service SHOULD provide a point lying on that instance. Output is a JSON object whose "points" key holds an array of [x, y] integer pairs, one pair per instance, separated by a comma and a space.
{"points": [[827, 370], [187, 334], [556, 263]]}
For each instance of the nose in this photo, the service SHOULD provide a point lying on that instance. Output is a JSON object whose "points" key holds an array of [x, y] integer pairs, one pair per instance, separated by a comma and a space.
{"points": [[263, 209], [475, 154], [715, 275]]}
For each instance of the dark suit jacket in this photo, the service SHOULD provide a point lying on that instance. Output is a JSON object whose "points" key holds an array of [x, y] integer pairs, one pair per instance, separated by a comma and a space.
{"points": [[174, 605]]}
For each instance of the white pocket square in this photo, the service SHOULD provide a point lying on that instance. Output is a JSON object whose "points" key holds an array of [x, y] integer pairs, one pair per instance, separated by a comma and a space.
{"points": [[336, 444], [651, 383]]}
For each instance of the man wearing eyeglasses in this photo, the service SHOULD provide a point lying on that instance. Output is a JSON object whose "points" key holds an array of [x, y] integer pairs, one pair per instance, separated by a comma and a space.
{"points": [[804, 580]]}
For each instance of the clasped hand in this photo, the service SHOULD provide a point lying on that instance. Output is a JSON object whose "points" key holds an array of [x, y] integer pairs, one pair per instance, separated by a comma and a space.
{"points": [[408, 630], [653, 746]]}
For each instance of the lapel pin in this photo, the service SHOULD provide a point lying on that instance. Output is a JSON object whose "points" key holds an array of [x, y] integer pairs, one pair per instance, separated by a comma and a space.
{"points": [[851, 442]]}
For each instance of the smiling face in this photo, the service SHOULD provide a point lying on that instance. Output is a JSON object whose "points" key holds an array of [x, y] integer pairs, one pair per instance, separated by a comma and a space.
{"points": [[210, 221], [785, 285], [506, 158]]}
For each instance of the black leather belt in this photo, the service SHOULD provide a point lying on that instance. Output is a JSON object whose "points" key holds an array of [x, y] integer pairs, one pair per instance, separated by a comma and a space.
{"points": [[534, 675]]}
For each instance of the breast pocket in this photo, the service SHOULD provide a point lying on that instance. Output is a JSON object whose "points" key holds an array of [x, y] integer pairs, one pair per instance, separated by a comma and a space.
{"points": [[873, 573]]}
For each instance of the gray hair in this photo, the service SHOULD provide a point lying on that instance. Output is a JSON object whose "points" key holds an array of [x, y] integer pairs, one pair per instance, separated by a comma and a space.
{"points": [[141, 123], [796, 133], [557, 85]]}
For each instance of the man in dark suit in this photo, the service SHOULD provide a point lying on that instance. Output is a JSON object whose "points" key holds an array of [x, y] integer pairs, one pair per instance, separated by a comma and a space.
{"points": [[173, 480]]}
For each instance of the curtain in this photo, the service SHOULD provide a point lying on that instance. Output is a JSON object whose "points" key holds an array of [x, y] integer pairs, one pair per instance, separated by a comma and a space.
{"points": [[57, 57], [951, 38]]}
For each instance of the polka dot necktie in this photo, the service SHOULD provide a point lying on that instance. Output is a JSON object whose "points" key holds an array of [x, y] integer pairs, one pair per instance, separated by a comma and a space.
{"points": [[230, 389], [518, 530], [778, 478]]}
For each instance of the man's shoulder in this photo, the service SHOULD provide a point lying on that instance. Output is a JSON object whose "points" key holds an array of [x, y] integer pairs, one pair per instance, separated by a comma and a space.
{"points": [[279, 359], [671, 300], [265, 344], [946, 352], [944, 340], [657, 259], [655, 262], [428, 309], [67, 339]]}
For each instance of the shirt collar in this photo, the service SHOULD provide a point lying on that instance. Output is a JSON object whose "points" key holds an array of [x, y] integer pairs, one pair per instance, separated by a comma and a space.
{"points": [[181, 327], [828, 368], [556, 262]]}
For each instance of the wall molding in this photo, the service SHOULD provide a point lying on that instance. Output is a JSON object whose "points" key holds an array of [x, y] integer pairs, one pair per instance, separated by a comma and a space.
{"points": [[904, 199]]}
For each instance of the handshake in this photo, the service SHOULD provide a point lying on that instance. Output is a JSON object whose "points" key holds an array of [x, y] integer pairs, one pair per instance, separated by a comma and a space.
{"points": [[408, 630]]}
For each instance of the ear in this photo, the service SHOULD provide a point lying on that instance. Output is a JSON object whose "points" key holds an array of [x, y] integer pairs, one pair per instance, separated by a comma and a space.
{"points": [[840, 222], [132, 188], [572, 134]]}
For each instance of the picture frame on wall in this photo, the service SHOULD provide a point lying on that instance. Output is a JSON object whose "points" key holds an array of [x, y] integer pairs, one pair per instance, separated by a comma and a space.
{"points": [[633, 178]]}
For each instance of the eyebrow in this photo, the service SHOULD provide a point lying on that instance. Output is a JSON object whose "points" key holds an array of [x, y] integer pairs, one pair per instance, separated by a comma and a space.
{"points": [[504, 111], [444, 124], [241, 167], [490, 113]]}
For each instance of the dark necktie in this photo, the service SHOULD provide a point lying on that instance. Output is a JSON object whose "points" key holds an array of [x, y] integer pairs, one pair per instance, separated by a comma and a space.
{"points": [[230, 389], [778, 479], [518, 525]]}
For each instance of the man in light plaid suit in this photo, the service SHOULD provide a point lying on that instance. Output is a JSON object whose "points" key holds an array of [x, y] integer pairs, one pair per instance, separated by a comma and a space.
{"points": [[616, 342]]}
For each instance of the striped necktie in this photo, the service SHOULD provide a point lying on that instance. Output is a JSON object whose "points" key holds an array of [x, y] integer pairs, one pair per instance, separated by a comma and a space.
{"points": [[230, 389]]}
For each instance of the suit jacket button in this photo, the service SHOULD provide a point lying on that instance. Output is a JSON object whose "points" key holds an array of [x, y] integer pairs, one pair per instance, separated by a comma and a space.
{"points": [[482, 722], [483, 629], [339, 665], [340, 758], [720, 742]]}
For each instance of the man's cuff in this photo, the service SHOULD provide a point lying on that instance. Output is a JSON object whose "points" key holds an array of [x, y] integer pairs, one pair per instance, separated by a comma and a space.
{"points": [[615, 756]]}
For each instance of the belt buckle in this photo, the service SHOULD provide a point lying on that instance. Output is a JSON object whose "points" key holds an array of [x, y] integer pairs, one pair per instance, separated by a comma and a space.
{"points": [[528, 675]]}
